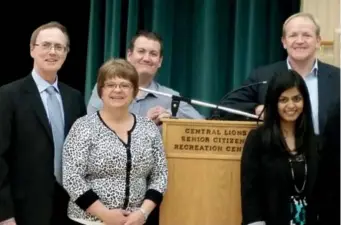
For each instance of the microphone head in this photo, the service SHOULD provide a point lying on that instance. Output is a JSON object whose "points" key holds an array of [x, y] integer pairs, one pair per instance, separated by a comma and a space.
{"points": [[264, 82]]}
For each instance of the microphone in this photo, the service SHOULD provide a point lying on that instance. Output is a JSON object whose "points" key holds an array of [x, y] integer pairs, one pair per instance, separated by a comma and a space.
{"points": [[215, 112], [177, 99]]}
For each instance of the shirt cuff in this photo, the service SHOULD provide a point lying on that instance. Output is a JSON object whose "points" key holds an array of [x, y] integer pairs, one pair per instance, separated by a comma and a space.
{"points": [[154, 196], [87, 199]]}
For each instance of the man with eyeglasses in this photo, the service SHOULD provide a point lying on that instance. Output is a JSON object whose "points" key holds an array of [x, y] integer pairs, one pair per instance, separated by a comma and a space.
{"points": [[36, 113], [145, 53]]}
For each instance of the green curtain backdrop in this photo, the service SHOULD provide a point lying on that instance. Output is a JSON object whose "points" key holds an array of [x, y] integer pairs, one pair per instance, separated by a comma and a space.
{"points": [[210, 46]]}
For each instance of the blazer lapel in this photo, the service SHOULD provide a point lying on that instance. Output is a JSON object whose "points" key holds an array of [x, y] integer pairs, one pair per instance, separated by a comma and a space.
{"points": [[323, 101], [67, 106], [34, 99]]}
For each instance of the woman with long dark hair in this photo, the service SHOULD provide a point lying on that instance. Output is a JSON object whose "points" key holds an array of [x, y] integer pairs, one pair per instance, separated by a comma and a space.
{"points": [[279, 159]]}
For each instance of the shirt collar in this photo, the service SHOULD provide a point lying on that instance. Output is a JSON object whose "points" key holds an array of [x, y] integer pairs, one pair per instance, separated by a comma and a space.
{"points": [[154, 87], [43, 84], [314, 70]]}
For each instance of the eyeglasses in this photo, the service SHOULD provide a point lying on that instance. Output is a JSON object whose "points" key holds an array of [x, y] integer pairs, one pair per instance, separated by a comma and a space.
{"points": [[122, 86], [47, 46]]}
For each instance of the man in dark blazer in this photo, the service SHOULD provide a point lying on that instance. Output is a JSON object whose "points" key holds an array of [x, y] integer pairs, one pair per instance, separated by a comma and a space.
{"points": [[30, 165], [301, 38], [329, 179]]}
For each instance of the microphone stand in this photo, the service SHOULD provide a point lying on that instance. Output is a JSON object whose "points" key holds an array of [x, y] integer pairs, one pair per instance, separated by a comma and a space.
{"points": [[214, 113], [177, 99]]}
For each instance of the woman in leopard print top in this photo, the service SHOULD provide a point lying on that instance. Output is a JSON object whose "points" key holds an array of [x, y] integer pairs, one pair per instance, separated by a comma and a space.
{"points": [[114, 165]]}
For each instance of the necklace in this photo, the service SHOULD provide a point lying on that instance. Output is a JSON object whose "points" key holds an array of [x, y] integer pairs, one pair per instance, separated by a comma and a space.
{"points": [[299, 158]]}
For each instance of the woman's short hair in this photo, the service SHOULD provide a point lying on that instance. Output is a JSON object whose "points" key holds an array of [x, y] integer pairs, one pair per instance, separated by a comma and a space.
{"points": [[117, 68]]}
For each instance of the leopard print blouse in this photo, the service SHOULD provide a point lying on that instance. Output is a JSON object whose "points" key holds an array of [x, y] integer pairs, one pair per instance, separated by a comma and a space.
{"points": [[96, 160]]}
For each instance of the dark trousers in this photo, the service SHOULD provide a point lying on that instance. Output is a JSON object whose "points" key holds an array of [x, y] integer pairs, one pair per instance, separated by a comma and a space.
{"points": [[32, 210]]}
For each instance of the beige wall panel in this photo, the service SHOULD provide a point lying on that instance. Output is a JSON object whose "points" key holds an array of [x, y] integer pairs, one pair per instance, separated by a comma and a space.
{"points": [[328, 14]]}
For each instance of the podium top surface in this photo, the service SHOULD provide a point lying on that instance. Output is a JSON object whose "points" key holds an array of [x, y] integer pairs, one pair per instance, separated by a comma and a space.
{"points": [[203, 121]]}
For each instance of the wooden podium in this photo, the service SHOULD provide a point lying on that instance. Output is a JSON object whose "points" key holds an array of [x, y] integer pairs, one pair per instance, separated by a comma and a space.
{"points": [[204, 171]]}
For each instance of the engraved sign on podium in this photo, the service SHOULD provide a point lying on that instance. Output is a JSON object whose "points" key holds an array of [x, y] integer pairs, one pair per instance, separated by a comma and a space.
{"points": [[204, 171]]}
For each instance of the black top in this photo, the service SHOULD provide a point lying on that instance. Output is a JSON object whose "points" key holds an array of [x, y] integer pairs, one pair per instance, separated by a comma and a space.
{"points": [[267, 184]]}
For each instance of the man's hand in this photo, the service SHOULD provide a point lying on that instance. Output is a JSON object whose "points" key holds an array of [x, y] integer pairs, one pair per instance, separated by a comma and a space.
{"points": [[259, 110], [157, 113], [154, 112], [8, 222], [162, 116]]}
